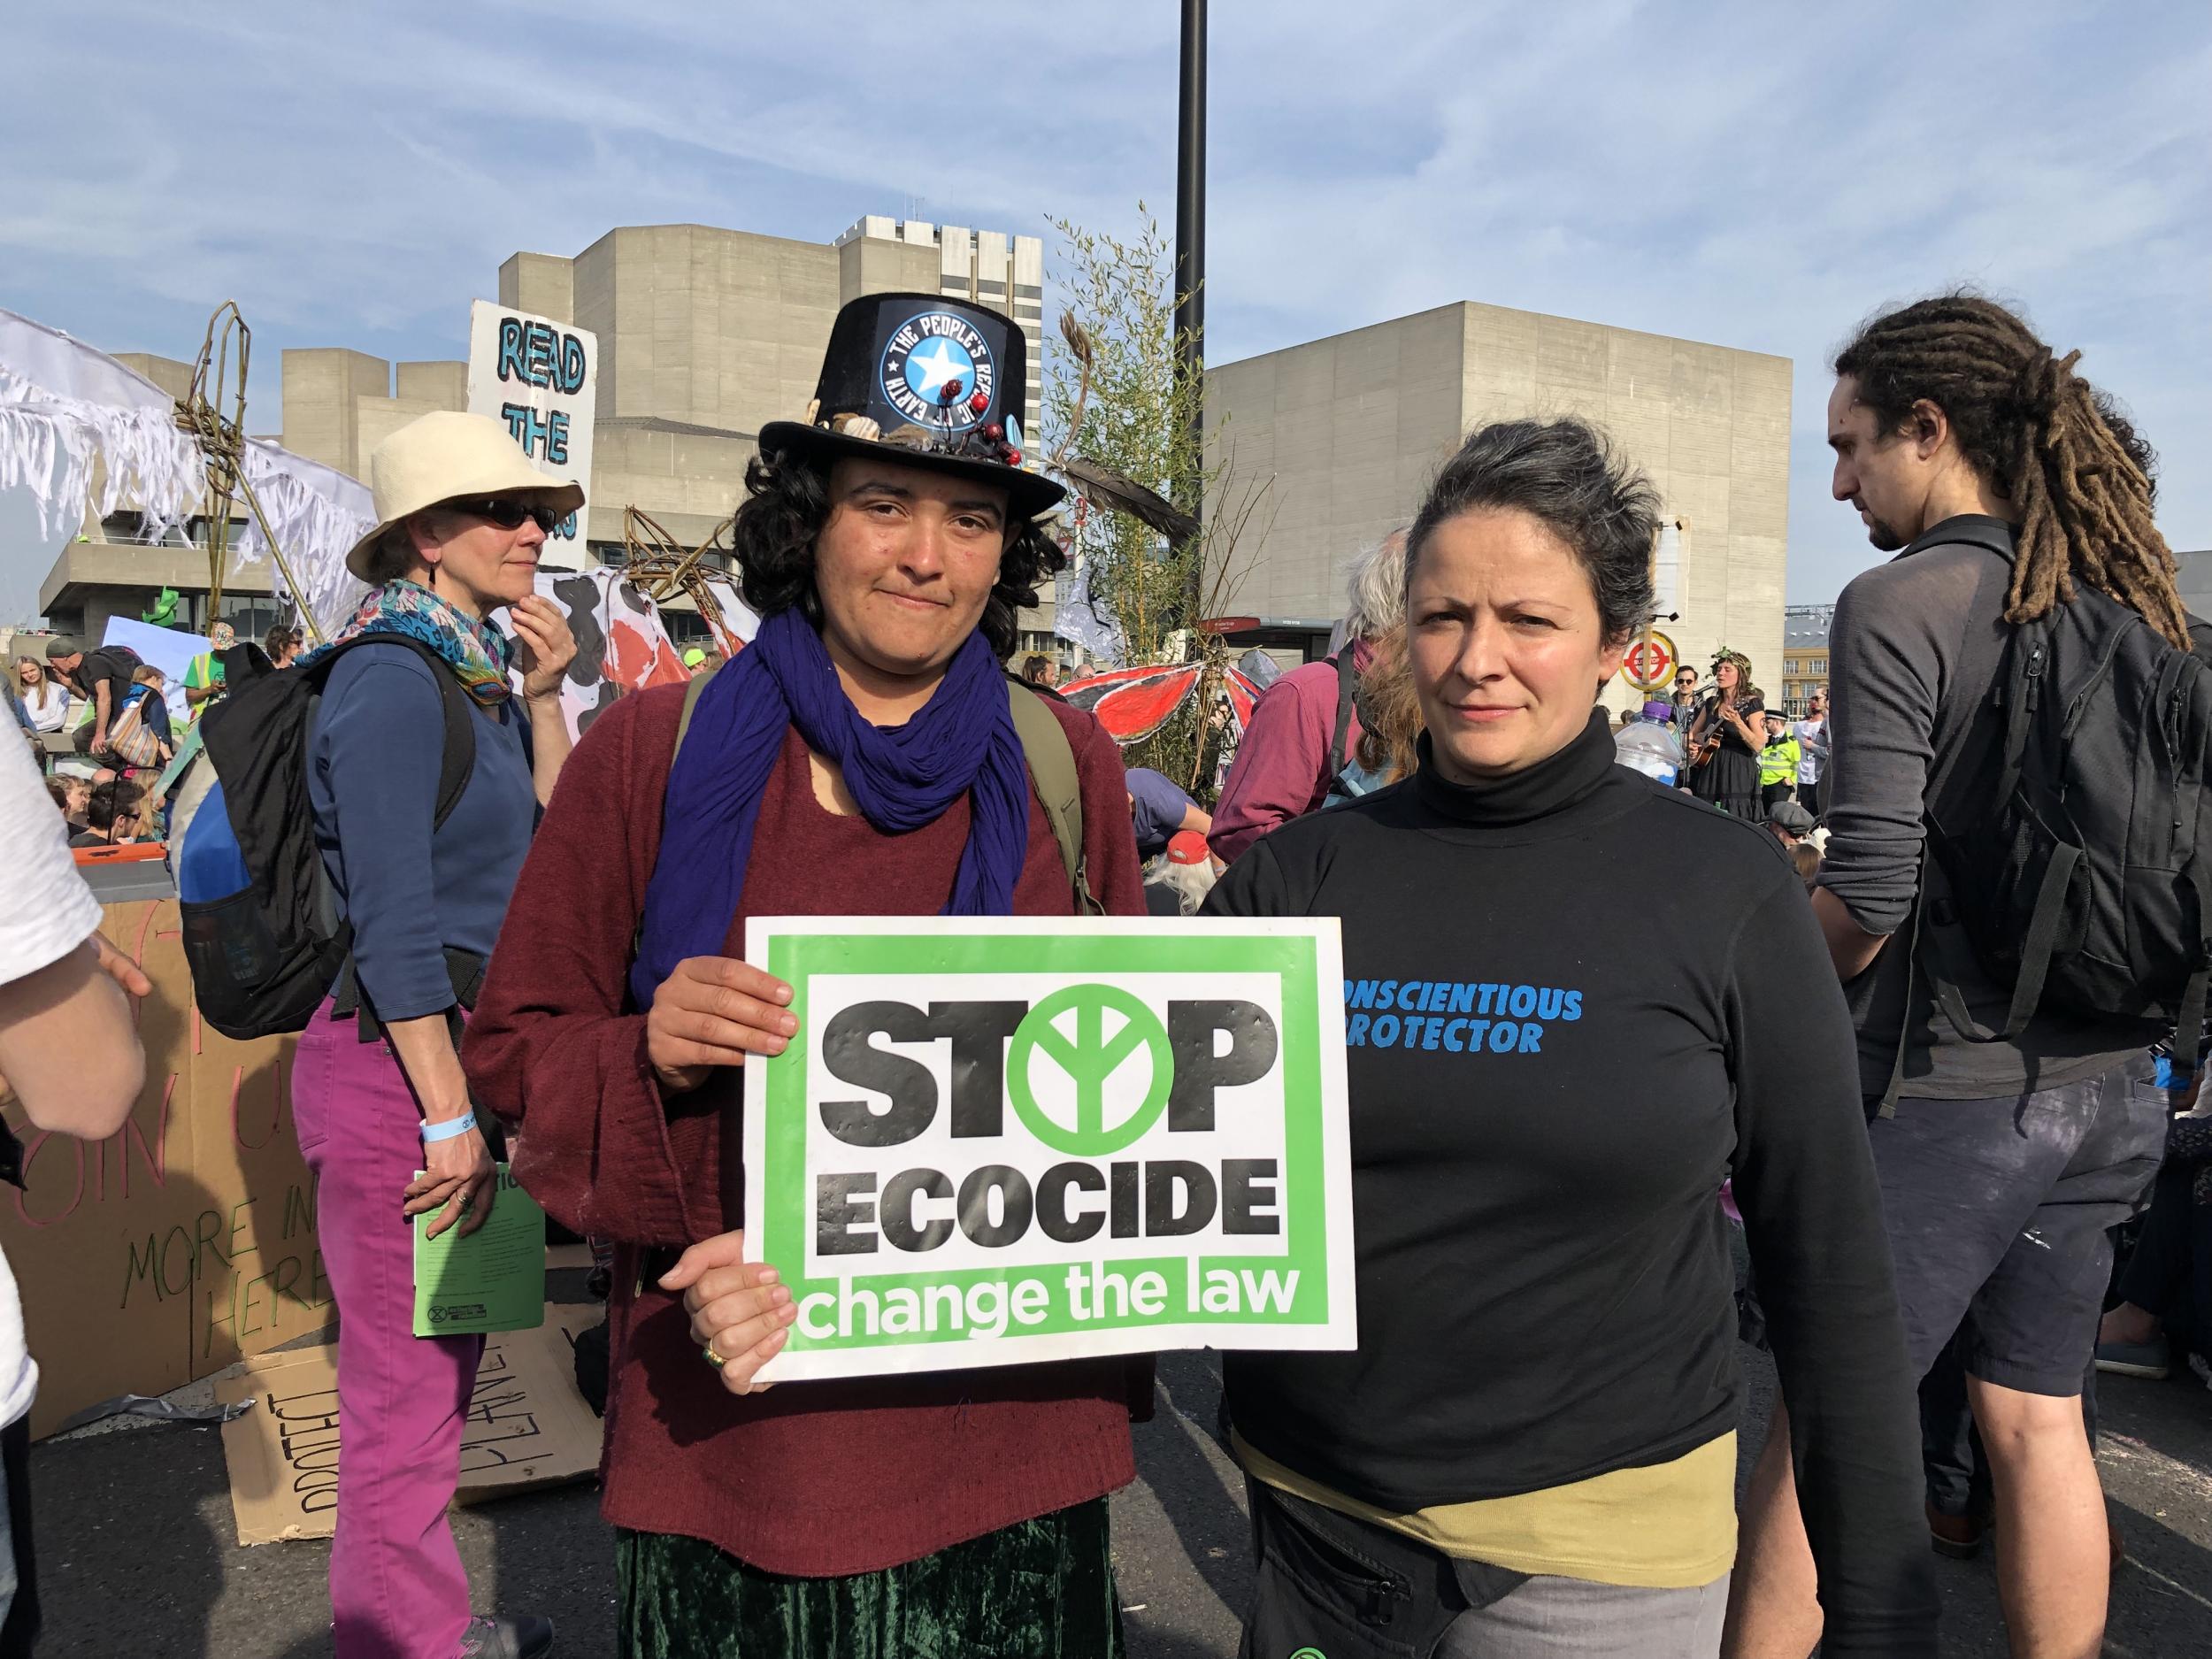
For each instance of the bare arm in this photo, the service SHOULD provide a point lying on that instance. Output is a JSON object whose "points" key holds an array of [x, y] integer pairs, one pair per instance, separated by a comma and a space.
{"points": [[100, 712], [1196, 818], [549, 743], [461, 1168], [68, 1045], [1850, 946], [424, 1047]]}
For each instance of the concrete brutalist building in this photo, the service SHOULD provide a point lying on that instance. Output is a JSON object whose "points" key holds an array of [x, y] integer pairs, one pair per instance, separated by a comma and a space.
{"points": [[2193, 578], [704, 334], [1353, 427]]}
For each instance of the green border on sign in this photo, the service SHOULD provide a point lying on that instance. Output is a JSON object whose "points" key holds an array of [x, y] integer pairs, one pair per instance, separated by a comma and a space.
{"points": [[794, 958]]}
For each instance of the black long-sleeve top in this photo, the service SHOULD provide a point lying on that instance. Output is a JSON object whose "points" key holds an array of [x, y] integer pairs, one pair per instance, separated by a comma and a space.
{"points": [[1576, 1001]]}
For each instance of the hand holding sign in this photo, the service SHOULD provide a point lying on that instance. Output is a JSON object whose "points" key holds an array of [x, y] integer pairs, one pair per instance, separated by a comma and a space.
{"points": [[1007, 1140], [738, 1311], [714, 1011]]}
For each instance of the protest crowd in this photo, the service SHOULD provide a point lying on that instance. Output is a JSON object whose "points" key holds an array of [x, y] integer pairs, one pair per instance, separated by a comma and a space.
{"points": [[1861, 1031]]}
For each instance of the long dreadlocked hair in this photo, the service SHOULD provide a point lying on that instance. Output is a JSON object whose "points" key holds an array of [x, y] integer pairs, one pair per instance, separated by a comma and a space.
{"points": [[2052, 444]]}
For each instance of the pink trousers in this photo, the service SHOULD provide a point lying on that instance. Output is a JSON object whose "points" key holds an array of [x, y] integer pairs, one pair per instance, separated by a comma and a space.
{"points": [[397, 1590]]}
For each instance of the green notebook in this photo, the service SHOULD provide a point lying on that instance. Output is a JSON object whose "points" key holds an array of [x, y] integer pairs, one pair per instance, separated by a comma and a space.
{"points": [[494, 1280]]}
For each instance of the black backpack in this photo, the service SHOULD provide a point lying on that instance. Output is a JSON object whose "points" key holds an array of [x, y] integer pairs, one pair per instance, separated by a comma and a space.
{"points": [[2081, 875], [262, 933]]}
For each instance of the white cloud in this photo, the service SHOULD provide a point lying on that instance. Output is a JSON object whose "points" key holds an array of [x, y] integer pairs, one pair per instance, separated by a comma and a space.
{"points": [[1757, 175]]}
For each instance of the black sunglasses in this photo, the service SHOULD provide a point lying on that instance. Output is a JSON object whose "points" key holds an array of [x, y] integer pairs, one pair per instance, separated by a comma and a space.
{"points": [[508, 512]]}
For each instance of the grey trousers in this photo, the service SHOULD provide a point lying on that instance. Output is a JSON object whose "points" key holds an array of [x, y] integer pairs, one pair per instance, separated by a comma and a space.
{"points": [[1553, 1618], [1330, 1586]]}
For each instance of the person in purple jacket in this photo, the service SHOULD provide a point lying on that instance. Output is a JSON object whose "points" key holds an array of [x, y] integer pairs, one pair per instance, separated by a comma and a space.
{"points": [[1305, 728]]}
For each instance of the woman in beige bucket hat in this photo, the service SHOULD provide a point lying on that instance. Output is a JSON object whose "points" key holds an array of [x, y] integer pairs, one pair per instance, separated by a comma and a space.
{"points": [[378, 1092]]}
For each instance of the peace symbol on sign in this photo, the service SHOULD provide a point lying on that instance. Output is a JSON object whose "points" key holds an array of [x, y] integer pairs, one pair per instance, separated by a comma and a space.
{"points": [[1088, 1062]]}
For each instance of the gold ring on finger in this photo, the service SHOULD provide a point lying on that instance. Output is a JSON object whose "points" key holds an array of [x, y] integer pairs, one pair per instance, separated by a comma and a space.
{"points": [[711, 1357]]}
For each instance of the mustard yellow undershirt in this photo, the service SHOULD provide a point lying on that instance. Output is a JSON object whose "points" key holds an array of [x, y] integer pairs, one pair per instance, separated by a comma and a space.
{"points": [[1668, 1526]]}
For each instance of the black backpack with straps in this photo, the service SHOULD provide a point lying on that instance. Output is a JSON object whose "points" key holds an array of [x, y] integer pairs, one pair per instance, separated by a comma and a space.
{"points": [[262, 933], [2081, 875]]}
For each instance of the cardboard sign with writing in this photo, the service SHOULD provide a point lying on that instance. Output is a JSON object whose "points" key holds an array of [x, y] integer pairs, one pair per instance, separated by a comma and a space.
{"points": [[1001, 1140], [528, 1427], [185, 1240], [540, 380]]}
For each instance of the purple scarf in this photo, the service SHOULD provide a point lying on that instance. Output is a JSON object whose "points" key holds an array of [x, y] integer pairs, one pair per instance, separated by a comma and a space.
{"points": [[961, 740]]}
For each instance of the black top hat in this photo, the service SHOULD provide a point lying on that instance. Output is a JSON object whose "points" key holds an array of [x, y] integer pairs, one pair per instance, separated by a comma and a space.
{"points": [[925, 381]]}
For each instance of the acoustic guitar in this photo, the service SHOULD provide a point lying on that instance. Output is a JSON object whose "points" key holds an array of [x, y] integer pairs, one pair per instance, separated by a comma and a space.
{"points": [[1709, 747]]}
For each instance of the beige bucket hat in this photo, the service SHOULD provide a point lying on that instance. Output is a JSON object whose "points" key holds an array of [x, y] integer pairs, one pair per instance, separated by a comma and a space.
{"points": [[449, 455]]}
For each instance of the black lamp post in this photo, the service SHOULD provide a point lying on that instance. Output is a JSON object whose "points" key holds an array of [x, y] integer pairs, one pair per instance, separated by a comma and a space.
{"points": [[1190, 244]]}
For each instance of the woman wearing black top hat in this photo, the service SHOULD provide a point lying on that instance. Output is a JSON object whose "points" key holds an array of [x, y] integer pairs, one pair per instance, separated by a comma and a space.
{"points": [[865, 752], [1574, 1004]]}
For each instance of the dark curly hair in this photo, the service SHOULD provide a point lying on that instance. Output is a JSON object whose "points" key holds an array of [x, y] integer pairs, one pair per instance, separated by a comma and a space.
{"points": [[786, 503], [2058, 449], [1566, 473]]}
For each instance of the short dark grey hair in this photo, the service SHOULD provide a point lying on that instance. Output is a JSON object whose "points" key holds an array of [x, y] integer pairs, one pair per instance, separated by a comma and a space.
{"points": [[1568, 475]]}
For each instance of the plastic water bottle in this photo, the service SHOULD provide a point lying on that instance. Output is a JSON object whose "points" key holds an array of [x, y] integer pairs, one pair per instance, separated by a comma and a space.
{"points": [[1648, 744]]}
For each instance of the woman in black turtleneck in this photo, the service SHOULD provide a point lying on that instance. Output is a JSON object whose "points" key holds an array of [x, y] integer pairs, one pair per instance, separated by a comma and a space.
{"points": [[1575, 1002]]}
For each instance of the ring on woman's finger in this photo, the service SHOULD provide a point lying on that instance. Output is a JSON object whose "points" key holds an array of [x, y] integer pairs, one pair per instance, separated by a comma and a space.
{"points": [[711, 1357]]}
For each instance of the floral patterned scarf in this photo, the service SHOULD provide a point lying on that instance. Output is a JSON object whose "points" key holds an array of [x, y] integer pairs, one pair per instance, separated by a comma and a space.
{"points": [[478, 653]]}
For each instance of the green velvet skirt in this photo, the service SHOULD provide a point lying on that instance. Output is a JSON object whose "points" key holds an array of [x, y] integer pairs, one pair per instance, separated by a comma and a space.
{"points": [[1041, 1589]]}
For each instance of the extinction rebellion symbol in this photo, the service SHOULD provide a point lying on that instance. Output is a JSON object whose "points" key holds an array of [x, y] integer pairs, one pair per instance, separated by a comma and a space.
{"points": [[1089, 1062], [925, 356]]}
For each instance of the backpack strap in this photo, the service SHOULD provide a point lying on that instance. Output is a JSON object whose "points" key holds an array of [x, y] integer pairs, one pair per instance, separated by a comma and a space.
{"points": [[456, 765], [683, 726], [683, 720], [1051, 759], [458, 761], [1933, 939], [2028, 658], [1346, 694]]}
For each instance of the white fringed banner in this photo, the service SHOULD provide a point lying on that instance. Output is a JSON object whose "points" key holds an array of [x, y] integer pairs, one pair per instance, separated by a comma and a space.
{"points": [[64, 406], [316, 513], [69, 414]]}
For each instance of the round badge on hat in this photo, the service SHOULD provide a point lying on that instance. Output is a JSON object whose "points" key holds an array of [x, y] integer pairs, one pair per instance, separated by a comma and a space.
{"points": [[939, 372], [921, 379]]}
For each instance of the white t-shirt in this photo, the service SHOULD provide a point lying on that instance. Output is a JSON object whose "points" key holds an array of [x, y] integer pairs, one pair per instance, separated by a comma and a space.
{"points": [[46, 911], [49, 714], [1812, 750]]}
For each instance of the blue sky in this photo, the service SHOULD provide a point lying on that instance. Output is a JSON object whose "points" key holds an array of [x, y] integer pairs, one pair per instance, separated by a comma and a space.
{"points": [[1757, 175]]}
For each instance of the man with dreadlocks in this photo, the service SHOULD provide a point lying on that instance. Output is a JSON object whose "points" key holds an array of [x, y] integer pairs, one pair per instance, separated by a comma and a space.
{"points": [[2009, 483]]}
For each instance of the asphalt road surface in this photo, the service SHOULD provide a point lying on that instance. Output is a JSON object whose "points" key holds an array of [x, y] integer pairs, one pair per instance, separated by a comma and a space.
{"points": [[138, 1558]]}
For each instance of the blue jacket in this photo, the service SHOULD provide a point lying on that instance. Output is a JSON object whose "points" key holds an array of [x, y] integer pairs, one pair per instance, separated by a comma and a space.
{"points": [[372, 777]]}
